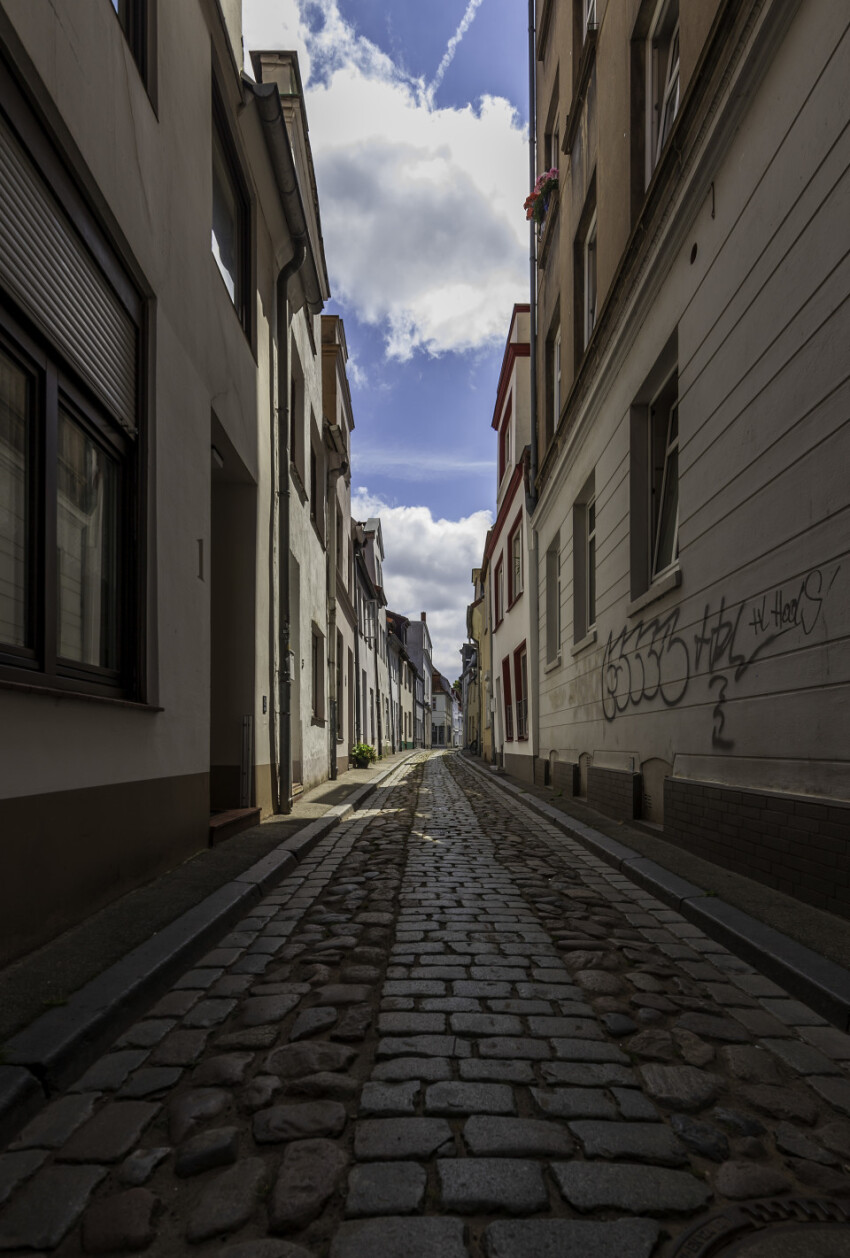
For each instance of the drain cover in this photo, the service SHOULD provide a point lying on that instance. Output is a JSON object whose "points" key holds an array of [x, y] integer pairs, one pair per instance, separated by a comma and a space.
{"points": [[780, 1227]]}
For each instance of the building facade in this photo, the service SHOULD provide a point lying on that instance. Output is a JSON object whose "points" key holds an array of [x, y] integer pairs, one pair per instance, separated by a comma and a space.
{"points": [[512, 563], [419, 649], [342, 622], [141, 457], [442, 711], [690, 526]]}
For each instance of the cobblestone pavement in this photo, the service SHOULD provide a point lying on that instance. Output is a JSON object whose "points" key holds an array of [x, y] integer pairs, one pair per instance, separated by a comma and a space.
{"points": [[451, 1032]]}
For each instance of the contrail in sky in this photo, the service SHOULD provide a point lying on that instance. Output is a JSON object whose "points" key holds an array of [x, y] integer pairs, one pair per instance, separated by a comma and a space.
{"points": [[451, 48]]}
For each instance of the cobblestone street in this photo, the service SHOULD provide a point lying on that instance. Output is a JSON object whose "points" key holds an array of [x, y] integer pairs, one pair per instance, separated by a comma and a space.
{"points": [[452, 1031]]}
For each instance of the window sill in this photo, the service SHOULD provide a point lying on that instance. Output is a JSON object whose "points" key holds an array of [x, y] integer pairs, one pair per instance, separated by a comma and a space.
{"points": [[662, 585], [583, 643], [318, 720], [552, 664], [54, 692], [515, 600]]}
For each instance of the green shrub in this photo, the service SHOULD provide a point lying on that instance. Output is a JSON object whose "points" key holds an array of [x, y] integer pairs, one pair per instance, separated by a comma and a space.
{"points": [[362, 755]]}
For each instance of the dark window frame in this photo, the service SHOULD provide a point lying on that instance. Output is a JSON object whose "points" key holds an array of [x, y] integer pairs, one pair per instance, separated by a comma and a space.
{"points": [[242, 302], [140, 31], [55, 390]]}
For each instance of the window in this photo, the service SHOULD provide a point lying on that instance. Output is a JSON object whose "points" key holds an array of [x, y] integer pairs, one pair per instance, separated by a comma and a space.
{"points": [[590, 281], [506, 687], [515, 573], [505, 441], [654, 475], [499, 592], [230, 216], [584, 561], [551, 149], [553, 599], [585, 275], [67, 476], [556, 379], [521, 679], [590, 562], [339, 649], [664, 464], [662, 62], [318, 675], [317, 482], [133, 16], [589, 16]]}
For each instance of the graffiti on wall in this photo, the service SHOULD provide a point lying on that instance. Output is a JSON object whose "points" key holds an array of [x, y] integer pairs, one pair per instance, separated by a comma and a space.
{"points": [[656, 659]]}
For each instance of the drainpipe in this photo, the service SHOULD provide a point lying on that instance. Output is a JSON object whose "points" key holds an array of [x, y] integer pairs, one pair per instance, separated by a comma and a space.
{"points": [[531, 489], [283, 496], [267, 99], [377, 688]]}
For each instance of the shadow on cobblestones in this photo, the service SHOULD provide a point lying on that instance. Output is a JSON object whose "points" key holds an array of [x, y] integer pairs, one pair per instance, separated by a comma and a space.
{"points": [[452, 1032]]}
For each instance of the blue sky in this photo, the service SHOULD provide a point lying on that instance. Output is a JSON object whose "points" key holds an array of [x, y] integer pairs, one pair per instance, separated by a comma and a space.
{"points": [[417, 112]]}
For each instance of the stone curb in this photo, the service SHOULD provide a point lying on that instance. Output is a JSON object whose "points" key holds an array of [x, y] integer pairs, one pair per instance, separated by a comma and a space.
{"points": [[814, 979], [60, 1044]]}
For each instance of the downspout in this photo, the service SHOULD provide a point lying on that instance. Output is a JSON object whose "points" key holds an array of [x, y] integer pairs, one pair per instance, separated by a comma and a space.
{"points": [[358, 727], [283, 495], [531, 488], [377, 689], [267, 99]]}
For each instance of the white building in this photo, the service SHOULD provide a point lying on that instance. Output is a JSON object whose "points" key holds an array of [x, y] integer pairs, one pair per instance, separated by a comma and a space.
{"points": [[507, 552]]}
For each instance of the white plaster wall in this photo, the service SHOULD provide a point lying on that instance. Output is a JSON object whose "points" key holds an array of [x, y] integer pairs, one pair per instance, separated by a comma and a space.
{"points": [[763, 325], [309, 551], [154, 173]]}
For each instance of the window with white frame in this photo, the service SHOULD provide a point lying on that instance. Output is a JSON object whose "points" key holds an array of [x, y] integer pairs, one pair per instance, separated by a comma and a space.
{"points": [[590, 562], [590, 280], [589, 16], [664, 469], [515, 574], [553, 599], [662, 67], [556, 379], [499, 592], [584, 560]]}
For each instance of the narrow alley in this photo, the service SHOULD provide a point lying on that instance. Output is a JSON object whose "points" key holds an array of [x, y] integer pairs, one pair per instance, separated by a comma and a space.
{"points": [[452, 1031]]}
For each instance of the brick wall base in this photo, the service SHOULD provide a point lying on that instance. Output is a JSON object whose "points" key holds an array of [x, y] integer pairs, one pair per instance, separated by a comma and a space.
{"points": [[796, 844], [614, 792], [521, 767]]}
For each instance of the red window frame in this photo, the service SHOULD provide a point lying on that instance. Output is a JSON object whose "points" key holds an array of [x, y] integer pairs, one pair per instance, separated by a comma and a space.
{"points": [[504, 438], [514, 596], [521, 691], [506, 697], [498, 602]]}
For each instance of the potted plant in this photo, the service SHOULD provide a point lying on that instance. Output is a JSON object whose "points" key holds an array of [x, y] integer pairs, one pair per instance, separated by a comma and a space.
{"points": [[537, 203], [362, 755]]}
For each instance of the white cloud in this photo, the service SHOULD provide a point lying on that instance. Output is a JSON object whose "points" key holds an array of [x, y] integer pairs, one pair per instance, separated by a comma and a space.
{"points": [[421, 206], [428, 567], [398, 463]]}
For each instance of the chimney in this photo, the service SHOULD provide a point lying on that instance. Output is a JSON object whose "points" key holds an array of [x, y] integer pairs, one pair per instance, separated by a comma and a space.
{"points": [[422, 616]]}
